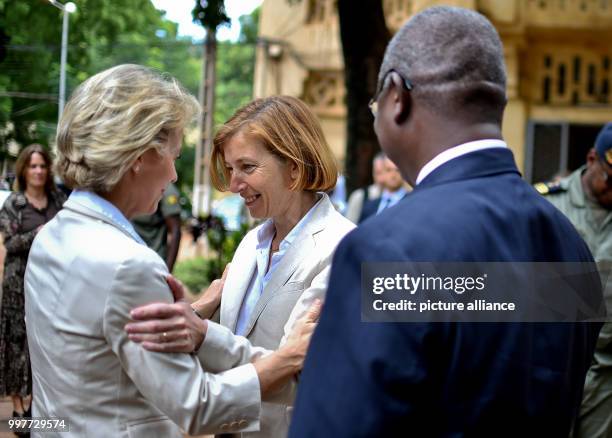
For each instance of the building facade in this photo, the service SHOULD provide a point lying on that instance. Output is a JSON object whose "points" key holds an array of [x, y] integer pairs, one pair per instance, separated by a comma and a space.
{"points": [[558, 57]]}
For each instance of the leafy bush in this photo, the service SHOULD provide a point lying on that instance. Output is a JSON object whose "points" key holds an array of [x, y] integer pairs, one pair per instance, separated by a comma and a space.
{"points": [[194, 273], [198, 273], [224, 243]]}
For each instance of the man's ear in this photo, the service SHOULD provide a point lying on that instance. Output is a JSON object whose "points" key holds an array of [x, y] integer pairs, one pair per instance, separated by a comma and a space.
{"points": [[591, 156], [402, 99]]}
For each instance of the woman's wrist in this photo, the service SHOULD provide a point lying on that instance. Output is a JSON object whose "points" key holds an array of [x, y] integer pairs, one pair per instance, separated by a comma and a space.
{"points": [[203, 308]]}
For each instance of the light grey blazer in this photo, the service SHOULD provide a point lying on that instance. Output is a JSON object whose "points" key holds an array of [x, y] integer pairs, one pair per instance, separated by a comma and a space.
{"points": [[300, 277], [84, 275]]}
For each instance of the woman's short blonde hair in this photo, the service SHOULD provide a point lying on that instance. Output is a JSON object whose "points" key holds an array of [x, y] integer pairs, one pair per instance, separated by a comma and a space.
{"points": [[290, 131], [114, 117]]}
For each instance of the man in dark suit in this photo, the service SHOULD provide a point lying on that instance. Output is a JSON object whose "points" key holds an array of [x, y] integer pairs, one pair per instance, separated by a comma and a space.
{"points": [[438, 113], [393, 191]]}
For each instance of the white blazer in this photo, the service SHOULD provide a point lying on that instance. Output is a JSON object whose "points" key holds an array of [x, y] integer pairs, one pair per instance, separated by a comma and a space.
{"points": [[300, 277], [84, 275]]}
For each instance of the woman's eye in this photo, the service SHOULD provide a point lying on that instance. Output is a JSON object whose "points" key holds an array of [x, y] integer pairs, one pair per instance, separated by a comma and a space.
{"points": [[248, 167]]}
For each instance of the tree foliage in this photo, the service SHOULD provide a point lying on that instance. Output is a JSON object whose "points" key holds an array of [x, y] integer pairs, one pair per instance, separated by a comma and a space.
{"points": [[32, 57], [210, 14], [103, 34]]}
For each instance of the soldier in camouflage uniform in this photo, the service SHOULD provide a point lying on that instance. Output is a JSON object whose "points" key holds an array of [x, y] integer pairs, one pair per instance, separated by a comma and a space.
{"points": [[585, 197], [162, 230]]}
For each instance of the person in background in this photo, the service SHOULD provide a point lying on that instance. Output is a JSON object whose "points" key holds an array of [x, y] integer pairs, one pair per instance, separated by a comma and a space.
{"points": [[34, 202], [161, 230], [117, 141], [438, 112], [337, 195], [394, 191], [585, 197], [273, 153], [362, 195]]}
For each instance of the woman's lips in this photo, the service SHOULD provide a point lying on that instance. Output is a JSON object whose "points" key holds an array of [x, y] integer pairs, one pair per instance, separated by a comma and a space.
{"points": [[248, 200]]}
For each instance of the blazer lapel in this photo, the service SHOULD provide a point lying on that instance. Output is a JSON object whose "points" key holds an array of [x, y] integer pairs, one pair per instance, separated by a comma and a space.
{"points": [[238, 279], [300, 248]]}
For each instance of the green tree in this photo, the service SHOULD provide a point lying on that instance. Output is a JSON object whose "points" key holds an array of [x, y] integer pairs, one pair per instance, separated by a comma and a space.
{"points": [[249, 27], [235, 72], [32, 57], [364, 36], [234, 85], [104, 34]]}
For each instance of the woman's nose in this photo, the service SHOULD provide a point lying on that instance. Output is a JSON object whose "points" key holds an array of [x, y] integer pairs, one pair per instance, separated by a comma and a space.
{"points": [[236, 184]]}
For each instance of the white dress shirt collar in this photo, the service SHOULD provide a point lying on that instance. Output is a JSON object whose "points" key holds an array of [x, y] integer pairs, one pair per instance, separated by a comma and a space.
{"points": [[455, 152]]}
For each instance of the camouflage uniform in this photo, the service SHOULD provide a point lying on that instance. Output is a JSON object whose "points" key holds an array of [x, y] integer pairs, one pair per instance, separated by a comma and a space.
{"points": [[152, 228], [594, 223]]}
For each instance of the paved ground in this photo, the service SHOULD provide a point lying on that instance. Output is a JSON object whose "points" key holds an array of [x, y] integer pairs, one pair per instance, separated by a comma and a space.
{"points": [[6, 410]]}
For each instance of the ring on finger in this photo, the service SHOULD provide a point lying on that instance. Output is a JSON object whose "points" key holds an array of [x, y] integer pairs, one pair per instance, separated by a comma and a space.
{"points": [[165, 335]]}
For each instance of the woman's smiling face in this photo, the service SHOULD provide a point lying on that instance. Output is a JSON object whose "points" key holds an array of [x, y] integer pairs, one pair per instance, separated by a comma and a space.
{"points": [[262, 179]]}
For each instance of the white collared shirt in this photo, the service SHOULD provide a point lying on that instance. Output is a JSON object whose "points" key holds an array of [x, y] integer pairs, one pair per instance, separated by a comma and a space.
{"points": [[260, 277], [100, 205], [456, 152]]}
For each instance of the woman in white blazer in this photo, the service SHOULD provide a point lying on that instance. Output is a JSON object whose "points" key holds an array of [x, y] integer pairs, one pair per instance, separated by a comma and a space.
{"points": [[116, 144], [273, 153]]}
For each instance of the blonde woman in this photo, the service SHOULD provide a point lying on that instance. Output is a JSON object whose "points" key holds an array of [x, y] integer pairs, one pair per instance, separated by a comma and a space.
{"points": [[116, 144], [273, 153]]}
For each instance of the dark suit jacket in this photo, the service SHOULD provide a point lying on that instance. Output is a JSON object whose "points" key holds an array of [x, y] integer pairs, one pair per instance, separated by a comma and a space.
{"points": [[370, 207], [448, 379]]}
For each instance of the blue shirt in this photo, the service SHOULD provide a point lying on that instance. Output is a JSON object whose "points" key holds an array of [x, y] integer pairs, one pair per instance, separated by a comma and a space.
{"points": [[260, 277], [100, 205], [388, 199]]}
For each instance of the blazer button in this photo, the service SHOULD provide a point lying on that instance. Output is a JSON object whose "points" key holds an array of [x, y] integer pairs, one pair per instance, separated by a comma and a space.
{"points": [[242, 424]]}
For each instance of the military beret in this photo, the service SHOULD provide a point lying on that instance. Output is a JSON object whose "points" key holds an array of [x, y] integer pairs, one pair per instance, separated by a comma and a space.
{"points": [[603, 143]]}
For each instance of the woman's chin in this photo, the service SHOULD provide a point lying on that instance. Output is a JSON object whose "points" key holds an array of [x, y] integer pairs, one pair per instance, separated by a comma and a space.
{"points": [[256, 213]]}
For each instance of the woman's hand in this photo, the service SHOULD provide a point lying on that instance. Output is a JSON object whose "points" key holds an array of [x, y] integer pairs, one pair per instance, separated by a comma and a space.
{"points": [[276, 369], [211, 298], [298, 340], [169, 328]]}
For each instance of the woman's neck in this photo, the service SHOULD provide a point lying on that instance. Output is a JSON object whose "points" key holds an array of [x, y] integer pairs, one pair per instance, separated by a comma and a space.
{"points": [[121, 200], [284, 224], [33, 192]]}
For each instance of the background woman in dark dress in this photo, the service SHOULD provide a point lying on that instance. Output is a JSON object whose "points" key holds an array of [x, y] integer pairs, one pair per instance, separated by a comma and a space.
{"points": [[33, 203]]}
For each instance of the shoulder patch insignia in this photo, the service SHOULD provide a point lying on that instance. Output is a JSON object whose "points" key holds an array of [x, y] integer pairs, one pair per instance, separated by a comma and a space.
{"points": [[548, 188]]}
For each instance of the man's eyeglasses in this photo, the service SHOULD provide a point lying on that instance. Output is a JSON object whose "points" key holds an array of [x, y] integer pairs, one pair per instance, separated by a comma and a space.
{"points": [[373, 105]]}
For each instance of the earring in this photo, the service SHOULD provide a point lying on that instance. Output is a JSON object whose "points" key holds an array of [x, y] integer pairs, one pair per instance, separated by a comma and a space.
{"points": [[136, 169]]}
